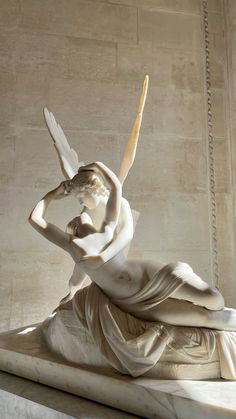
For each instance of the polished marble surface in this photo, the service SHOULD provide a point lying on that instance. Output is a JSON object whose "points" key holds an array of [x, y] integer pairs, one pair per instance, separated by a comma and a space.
{"points": [[24, 399], [147, 397]]}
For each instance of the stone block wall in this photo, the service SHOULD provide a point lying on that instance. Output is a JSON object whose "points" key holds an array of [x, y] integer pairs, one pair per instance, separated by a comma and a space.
{"points": [[85, 60], [227, 162]]}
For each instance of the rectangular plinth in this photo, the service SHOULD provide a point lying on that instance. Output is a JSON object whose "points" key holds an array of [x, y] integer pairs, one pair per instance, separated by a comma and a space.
{"points": [[22, 354], [21, 398]]}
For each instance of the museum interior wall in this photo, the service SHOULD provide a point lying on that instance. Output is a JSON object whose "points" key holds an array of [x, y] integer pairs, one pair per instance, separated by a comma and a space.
{"points": [[230, 160], [85, 61]]}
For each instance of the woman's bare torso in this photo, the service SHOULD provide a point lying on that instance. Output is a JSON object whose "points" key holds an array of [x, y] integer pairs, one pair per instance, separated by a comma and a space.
{"points": [[119, 277]]}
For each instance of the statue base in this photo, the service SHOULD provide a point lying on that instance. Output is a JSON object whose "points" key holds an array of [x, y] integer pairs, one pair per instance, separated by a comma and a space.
{"points": [[23, 353], [21, 398]]}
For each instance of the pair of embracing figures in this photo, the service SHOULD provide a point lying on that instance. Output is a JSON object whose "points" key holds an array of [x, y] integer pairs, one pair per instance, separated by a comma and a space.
{"points": [[96, 240]]}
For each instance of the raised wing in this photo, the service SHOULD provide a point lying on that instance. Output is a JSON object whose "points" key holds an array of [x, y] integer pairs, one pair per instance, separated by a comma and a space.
{"points": [[131, 146], [68, 157]]}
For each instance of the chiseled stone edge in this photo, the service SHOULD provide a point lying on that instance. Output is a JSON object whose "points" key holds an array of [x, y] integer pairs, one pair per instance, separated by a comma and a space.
{"points": [[107, 390], [128, 394], [210, 147]]}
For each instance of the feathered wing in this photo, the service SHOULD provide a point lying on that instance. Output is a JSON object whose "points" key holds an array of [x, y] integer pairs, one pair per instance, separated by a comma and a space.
{"points": [[68, 157], [131, 146]]}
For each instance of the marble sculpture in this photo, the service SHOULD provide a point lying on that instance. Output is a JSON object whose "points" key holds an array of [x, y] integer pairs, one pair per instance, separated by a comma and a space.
{"points": [[134, 312]]}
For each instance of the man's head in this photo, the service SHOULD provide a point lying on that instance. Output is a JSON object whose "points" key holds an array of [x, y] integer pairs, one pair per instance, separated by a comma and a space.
{"points": [[88, 188]]}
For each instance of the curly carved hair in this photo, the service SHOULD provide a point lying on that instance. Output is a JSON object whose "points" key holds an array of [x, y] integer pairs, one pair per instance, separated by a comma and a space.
{"points": [[88, 181]]}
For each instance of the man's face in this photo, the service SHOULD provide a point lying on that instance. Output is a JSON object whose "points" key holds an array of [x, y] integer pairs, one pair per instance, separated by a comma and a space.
{"points": [[89, 199], [84, 189]]}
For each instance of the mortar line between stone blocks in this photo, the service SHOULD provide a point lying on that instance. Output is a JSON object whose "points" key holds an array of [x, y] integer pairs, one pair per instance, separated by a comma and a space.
{"points": [[38, 32], [167, 11], [138, 19]]}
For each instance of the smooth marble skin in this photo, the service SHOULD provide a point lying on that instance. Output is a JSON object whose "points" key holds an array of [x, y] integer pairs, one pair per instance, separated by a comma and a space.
{"points": [[142, 396]]}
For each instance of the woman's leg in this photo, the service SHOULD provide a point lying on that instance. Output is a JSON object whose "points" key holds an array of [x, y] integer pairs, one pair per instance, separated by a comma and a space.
{"points": [[196, 290], [184, 313]]}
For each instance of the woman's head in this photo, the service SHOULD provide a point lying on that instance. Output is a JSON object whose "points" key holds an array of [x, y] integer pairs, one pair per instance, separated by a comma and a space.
{"points": [[88, 188], [80, 228], [73, 226]]}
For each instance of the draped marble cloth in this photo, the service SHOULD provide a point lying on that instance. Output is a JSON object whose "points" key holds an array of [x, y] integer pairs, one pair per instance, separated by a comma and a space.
{"points": [[92, 327]]}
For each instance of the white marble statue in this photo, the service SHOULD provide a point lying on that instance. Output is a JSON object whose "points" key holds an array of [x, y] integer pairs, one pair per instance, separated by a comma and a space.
{"points": [[170, 293], [156, 294], [70, 164]]}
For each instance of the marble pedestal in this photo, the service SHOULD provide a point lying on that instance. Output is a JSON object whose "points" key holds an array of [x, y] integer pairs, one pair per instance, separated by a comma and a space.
{"points": [[23, 354], [21, 399]]}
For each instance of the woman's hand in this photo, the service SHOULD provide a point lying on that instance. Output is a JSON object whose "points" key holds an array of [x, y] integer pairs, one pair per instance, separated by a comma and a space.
{"points": [[97, 167], [63, 190], [91, 262], [91, 167]]}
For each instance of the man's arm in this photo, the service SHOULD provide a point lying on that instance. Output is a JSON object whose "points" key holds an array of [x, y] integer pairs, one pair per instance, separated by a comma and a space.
{"points": [[125, 234], [77, 280]]}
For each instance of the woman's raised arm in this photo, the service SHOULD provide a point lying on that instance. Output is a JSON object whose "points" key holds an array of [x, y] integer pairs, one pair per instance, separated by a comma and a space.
{"points": [[48, 230]]}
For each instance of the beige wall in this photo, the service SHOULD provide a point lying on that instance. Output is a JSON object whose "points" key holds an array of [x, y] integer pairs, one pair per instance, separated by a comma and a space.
{"points": [[86, 61], [229, 8]]}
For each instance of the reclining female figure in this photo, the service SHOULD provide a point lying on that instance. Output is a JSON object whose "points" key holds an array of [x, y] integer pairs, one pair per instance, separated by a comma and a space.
{"points": [[149, 290]]}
